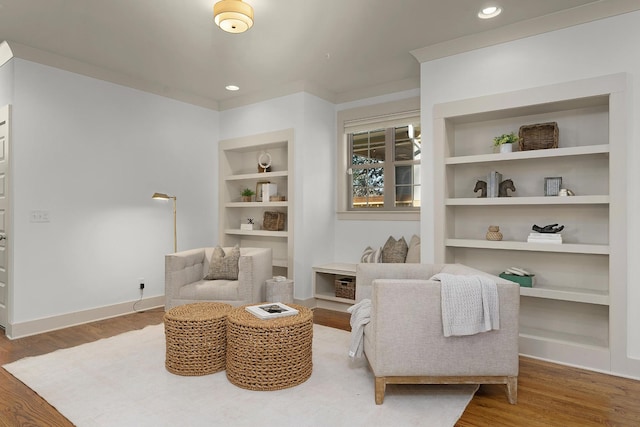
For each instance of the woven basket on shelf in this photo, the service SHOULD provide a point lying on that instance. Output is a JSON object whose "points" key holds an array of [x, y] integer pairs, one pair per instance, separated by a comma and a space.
{"points": [[273, 221], [538, 137]]}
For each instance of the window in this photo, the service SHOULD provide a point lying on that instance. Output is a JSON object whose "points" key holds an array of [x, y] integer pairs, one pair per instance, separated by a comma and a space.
{"points": [[378, 161], [385, 168]]}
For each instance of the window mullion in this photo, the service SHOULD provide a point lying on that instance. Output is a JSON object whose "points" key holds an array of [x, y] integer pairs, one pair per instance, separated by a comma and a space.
{"points": [[350, 170], [389, 170]]}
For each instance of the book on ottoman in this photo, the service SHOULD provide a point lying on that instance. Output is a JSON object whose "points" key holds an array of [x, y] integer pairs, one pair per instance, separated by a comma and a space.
{"points": [[271, 310]]}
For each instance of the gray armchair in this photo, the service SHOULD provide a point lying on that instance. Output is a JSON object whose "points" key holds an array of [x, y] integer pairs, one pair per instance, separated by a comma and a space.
{"points": [[404, 341], [185, 272]]}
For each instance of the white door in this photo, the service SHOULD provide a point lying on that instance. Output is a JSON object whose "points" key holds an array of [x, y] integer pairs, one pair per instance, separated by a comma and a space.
{"points": [[5, 118]]}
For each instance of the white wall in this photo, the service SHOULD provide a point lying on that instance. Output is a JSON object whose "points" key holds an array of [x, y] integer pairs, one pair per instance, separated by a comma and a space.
{"points": [[313, 121], [92, 153], [352, 237], [602, 47], [314, 234]]}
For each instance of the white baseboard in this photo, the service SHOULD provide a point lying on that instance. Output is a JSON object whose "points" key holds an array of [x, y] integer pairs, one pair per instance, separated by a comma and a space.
{"points": [[34, 327]]}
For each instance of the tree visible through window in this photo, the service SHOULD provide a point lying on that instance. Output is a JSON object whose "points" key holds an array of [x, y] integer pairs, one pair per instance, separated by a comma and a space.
{"points": [[385, 168]]}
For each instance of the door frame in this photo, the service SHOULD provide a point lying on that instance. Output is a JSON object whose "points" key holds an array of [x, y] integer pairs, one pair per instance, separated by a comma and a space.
{"points": [[6, 311]]}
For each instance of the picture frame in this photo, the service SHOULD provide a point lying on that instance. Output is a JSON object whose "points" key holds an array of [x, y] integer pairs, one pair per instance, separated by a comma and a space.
{"points": [[552, 185]]}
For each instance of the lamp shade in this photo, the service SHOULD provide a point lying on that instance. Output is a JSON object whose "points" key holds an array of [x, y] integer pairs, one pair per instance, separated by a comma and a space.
{"points": [[233, 16], [161, 196]]}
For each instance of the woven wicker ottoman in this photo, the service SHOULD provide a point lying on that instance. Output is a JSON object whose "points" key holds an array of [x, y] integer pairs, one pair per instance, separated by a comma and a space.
{"points": [[270, 354], [196, 337]]}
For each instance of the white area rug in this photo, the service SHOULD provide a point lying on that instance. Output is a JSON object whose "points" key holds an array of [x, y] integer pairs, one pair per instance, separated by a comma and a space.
{"points": [[122, 381]]}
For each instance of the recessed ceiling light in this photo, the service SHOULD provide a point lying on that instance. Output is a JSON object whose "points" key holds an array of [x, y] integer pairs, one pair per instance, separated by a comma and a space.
{"points": [[232, 87], [489, 12]]}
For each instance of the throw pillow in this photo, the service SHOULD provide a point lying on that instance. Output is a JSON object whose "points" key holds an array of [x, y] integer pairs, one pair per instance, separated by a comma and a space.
{"points": [[224, 265], [371, 256], [394, 250], [413, 253]]}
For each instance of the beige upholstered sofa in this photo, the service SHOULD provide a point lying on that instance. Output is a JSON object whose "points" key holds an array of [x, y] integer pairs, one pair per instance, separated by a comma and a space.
{"points": [[404, 341], [185, 272]]}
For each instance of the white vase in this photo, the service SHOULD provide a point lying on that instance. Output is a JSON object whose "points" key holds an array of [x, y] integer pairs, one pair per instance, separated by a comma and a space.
{"points": [[506, 148]]}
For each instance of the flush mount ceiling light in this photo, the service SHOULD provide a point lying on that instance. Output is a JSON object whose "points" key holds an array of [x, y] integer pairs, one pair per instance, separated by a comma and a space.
{"points": [[489, 12], [232, 87], [233, 16]]}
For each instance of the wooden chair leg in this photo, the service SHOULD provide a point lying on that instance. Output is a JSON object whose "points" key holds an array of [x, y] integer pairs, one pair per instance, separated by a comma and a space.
{"points": [[512, 390], [381, 385]]}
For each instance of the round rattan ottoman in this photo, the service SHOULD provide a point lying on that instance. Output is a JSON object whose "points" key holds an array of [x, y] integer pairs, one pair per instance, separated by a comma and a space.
{"points": [[196, 337], [270, 354]]}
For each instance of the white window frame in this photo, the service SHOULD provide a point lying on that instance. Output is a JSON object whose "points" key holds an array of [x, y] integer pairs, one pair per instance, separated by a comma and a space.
{"points": [[387, 114]]}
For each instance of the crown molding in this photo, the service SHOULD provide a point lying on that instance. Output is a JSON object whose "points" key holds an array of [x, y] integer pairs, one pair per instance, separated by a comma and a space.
{"points": [[519, 30], [5, 53], [276, 92]]}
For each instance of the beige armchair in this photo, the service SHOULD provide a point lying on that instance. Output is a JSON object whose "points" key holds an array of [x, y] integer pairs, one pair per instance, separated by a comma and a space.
{"points": [[185, 272], [404, 341]]}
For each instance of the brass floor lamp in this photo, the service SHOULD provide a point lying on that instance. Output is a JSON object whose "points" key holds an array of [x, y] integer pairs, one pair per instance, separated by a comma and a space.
{"points": [[162, 196]]}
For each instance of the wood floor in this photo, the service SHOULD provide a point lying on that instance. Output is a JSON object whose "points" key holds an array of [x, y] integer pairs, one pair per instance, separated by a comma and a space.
{"points": [[548, 394]]}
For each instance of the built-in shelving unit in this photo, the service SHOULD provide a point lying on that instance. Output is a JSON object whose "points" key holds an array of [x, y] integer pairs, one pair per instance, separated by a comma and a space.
{"points": [[324, 277], [239, 170], [572, 314]]}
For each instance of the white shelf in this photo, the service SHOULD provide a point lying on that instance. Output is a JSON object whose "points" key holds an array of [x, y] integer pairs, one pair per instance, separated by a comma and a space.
{"points": [[263, 233], [525, 246], [531, 154], [264, 176], [347, 269], [323, 283], [283, 204], [568, 324], [563, 338], [279, 262], [331, 297], [567, 294], [538, 200], [238, 169]]}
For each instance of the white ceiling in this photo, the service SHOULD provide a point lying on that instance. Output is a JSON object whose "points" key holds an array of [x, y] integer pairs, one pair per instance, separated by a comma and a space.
{"points": [[337, 49]]}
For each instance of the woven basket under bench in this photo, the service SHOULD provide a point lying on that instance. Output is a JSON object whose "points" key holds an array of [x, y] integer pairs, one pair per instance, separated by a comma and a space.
{"points": [[345, 287]]}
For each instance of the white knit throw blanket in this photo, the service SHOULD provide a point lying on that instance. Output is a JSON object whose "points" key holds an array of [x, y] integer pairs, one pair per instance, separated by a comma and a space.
{"points": [[469, 304], [360, 316]]}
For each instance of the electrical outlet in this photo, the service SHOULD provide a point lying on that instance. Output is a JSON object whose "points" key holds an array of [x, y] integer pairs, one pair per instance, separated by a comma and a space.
{"points": [[141, 281]]}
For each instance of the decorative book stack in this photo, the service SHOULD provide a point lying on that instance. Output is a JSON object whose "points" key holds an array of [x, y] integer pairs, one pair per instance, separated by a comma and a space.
{"points": [[271, 310], [544, 238], [493, 183]]}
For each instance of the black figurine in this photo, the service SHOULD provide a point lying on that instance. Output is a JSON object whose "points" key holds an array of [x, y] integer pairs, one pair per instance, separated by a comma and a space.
{"points": [[551, 228]]}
